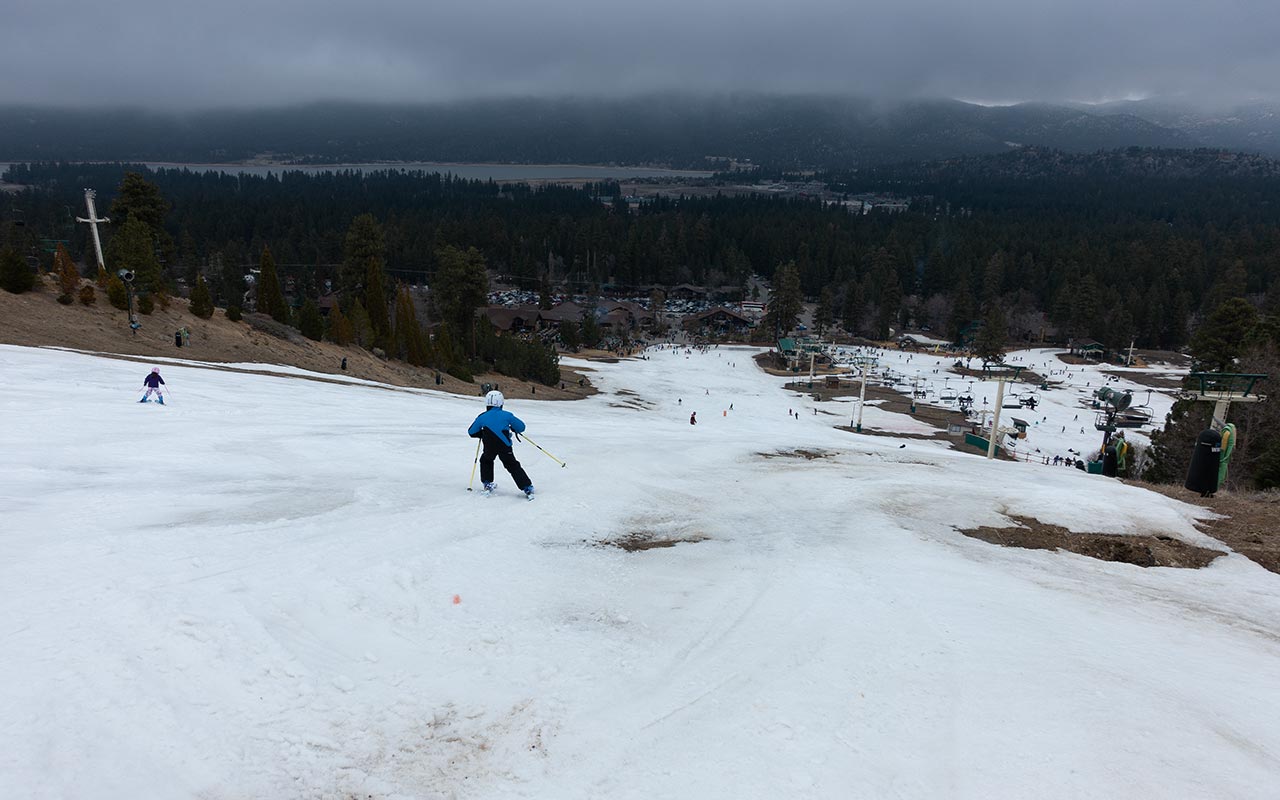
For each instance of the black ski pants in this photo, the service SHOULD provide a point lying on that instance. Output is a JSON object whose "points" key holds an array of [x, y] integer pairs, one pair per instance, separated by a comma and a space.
{"points": [[496, 448]]}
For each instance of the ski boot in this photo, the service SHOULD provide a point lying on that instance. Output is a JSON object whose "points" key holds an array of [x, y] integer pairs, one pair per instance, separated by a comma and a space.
{"points": [[528, 492], [161, 400], [487, 489]]}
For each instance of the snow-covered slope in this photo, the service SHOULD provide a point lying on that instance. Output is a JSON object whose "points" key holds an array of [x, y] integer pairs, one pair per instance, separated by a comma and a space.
{"points": [[249, 592]]}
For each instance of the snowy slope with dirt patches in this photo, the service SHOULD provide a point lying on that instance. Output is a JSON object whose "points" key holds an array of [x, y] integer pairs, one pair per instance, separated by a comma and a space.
{"points": [[249, 592]]}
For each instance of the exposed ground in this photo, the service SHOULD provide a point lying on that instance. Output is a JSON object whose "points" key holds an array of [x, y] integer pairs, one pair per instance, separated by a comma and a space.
{"points": [[1249, 522], [1143, 551], [36, 319]]}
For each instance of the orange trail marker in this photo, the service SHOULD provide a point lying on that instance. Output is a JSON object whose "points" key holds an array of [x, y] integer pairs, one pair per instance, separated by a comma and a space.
{"points": [[457, 598]]}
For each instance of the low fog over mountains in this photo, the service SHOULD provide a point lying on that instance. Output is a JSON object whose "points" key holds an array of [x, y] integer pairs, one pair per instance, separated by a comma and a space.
{"points": [[679, 130]]}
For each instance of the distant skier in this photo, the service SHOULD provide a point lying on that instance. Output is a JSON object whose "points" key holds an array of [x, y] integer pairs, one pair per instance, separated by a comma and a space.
{"points": [[693, 418], [494, 428], [153, 382]]}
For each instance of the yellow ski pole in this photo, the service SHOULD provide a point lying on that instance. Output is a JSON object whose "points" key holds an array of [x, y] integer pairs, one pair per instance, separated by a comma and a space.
{"points": [[473, 466], [548, 455]]}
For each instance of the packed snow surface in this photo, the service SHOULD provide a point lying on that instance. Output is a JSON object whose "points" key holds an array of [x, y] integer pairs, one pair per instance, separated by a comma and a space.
{"points": [[275, 587]]}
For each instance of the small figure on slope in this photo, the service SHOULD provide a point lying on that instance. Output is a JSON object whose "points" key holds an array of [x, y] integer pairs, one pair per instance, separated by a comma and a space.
{"points": [[153, 382], [494, 428]]}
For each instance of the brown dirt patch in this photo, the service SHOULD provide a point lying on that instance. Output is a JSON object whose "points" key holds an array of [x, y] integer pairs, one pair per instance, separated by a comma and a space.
{"points": [[927, 437], [1142, 551], [807, 455], [1249, 523], [637, 541], [35, 319], [1155, 380]]}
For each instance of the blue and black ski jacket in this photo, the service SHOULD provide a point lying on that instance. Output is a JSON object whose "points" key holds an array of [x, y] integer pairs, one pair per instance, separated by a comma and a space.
{"points": [[153, 380], [501, 422]]}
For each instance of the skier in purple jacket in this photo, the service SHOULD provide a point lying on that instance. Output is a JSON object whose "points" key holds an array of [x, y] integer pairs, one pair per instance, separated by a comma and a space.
{"points": [[153, 382]]}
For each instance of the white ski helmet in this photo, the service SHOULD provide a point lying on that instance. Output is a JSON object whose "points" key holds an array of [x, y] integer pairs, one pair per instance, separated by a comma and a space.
{"points": [[494, 399]]}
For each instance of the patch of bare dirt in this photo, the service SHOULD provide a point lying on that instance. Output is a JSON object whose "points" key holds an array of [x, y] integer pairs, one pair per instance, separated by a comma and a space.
{"points": [[36, 319], [1248, 523], [1142, 551], [637, 541], [807, 455], [1155, 380], [927, 437]]}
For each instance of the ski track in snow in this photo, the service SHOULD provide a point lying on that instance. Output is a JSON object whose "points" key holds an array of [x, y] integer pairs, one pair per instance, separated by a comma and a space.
{"points": [[249, 592]]}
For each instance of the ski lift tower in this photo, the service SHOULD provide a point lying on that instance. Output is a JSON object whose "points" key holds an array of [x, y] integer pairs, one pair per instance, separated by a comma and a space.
{"points": [[1001, 373], [1115, 401], [93, 220], [1225, 388], [863, 363]]}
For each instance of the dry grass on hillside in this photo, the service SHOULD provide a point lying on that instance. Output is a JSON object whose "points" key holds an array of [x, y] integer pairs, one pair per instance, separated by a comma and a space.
{"points": [[36, 319]]}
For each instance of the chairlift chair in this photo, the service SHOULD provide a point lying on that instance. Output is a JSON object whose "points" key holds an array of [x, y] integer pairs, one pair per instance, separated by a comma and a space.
{"points": [[1135, 417]]}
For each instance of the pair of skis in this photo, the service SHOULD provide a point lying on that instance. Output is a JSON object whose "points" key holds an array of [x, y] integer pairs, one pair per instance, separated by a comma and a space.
{"points": [[490, 492]]}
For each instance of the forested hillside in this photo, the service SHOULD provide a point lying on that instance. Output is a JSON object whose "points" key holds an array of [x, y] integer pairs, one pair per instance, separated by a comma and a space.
{"points": [[1086, 246]]}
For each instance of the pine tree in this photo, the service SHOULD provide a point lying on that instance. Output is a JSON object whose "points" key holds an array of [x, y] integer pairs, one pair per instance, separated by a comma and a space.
{"points": [[408, 342], [117, 294], [15, 275], [824, 313], [570, 335], [786, 301], [231, 277], [340, 330], [133, 247], [544, 292], [590, 330], [990, 341], [139, 199], [270, 299], [364, 242], [68, 275], [851, 312], [890, 306], [310, 322], [361, 328], [375, 302], [1222, 337], [201, 302], [993, 278], [461, 286]]}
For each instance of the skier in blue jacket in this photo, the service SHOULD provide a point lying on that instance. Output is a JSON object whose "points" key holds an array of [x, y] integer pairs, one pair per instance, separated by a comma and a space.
{"points": [[494, 428]]}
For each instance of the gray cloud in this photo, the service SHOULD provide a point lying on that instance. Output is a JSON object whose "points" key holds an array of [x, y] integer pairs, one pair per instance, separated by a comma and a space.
{"points": [[243, 53]]}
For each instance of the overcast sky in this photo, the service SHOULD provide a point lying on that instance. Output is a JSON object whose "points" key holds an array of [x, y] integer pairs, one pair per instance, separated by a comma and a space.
{"points": [[175, 53]]}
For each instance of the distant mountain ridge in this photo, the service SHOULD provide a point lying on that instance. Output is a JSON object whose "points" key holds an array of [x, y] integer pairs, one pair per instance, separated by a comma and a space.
{"points": [[683, 131], [1054, 166]]}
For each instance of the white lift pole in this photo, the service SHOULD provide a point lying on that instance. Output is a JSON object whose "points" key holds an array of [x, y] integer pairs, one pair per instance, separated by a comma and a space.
{"points": [[93, 221], [862, 396], [995, 419]]}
